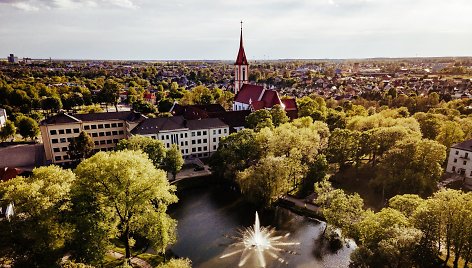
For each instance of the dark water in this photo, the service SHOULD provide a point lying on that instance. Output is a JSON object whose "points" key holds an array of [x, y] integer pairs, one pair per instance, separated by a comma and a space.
{"points": [[206, 215]]}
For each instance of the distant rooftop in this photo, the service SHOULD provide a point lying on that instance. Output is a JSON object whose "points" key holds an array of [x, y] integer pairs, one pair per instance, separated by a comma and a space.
{"points": [[466, 146]]}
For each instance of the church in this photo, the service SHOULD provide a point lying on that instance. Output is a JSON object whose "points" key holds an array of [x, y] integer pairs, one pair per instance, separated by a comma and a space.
{"points": [[255, 97]]}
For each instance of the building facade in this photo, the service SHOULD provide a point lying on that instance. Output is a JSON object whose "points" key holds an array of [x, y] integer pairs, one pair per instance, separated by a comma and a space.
{"points": [[106, 130], [199, 137], [459, 160], [3, 117]]}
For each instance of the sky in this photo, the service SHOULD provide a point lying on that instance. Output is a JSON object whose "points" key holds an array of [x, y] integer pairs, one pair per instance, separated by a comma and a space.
{"points": [[209, 29]]}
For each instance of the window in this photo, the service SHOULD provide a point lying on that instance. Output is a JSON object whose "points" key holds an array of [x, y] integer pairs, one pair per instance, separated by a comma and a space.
{"points": [[181, 143], [100, 125], [69, 139], [181, 135], [204, 132], [465, 163], [108, 133], [94, 134], [193, 134], [167, 137], [54, 140], [214, 131], [199, 133], [186, 142], [466, 155], [56, 150], [199, 141], [94, 126], [225, 130], [64, 149], [205, 140], [205, 148], [121, 132], [193, 150], [109, 141], [457, 152], [68, 131], [96, 142], [185, 135], [455, 160], [101, 134], [57, 158], [453, 168], [214, 139], [61, 131], [193, 141], [214, 147], [53, 132], [66, 157], [87, 127], [120, 124], [76, 130], [113, 125], [102, 142], [115, 140], [107, 125], [63, 139], [114, 132], [219, 131]]}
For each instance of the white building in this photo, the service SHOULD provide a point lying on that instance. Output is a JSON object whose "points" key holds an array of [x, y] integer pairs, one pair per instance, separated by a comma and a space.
{"points": [[459, 160], [3, 117], [199, 137]]}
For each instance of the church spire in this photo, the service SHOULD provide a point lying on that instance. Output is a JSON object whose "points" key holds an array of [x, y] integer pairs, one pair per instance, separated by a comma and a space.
{"points": [[241, 58]]}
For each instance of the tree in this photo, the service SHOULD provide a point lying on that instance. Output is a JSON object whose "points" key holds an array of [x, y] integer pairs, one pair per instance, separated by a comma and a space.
{"points": [[278, 115], [259, 119], [313, 107], [27, 127], [343, 146], [134, 193], [153, 148], [81, 146], [450, 133], [173, 160], [7, 131], [144, 107], [53, 104], [176, 263], [110, 93], [38, 233]]}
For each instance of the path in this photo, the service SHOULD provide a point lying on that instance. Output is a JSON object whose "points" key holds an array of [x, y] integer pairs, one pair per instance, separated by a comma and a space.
{"points": [[134, 260], [300, 203]]}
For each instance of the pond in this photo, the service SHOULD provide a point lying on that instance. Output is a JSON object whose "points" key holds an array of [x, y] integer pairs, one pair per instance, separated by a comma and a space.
{"points": [[207, 216]]}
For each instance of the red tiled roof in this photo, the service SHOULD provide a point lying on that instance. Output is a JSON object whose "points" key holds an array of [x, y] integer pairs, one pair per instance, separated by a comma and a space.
{"points": [[257, 105], [270, 98], [290, 104], [7, 174], [241, 58], [248, 92]]}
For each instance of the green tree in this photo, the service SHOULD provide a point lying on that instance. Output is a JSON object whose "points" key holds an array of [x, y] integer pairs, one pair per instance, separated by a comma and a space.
{"points": [[259, 119], [81, 146], [450, 133], [176, 263], [27, 127], [52, 104], [153, 148], [173, 160], [343, 146], [144, 107], [134, 192], [110, 93], [7, 131], [278, 115], [37, 234]]}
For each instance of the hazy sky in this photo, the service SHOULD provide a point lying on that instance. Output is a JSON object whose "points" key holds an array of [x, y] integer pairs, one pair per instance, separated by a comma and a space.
{"points": [[209, 29]]}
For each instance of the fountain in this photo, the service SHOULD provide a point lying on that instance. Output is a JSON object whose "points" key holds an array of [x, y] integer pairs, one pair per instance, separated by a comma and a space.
{"points": [[256, 242]]}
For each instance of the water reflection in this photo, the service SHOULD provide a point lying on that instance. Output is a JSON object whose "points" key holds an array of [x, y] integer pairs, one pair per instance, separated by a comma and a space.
{"points": [[206, 215]]}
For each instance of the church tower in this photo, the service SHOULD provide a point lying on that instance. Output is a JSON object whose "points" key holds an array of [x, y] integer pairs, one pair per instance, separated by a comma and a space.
{"points": [[241, 70]]}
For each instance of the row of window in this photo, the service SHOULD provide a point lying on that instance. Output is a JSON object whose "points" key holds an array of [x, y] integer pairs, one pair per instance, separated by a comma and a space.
{"points": [[199, 149], [64, 131], [61, 140], [103, 142], [100, 126], [463, 162], [108, 133], [462, 171], [59, 158], [196, 133]]}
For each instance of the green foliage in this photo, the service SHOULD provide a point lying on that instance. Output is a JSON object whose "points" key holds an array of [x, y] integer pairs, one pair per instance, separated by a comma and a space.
{"points": [[81, 147], [173, 160], [7, 131], [176, 263], [278, 115], [144, 107], [27, 127], [52, 104], [37, 234], [450, 133], [134, 193], [153, 148], [315, 107], [259, 119], [342, 147]]}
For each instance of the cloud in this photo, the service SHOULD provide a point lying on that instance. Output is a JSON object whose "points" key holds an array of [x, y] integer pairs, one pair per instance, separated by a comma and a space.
{"points": [[35, 5]]}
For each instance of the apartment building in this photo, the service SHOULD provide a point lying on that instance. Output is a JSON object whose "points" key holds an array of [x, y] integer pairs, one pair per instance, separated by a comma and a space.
{"points": [[198, 137], [3, 117], [106, 130], [459, 160]]}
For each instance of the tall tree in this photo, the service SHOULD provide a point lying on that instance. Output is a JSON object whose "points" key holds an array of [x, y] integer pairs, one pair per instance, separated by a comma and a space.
{"points": [[173, 160], [134, 192], [153, 148], [27, 127], [279, 116], [7, 131], [81, 146], [259, 120]]}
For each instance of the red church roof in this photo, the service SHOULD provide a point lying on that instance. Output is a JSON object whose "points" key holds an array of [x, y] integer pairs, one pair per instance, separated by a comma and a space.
{"points": [[241, 58], [290, 104], [270, 98], [248, 93]]}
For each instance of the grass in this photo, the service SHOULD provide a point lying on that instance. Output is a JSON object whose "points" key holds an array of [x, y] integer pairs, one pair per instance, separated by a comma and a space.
{"points": [[152, 259]]}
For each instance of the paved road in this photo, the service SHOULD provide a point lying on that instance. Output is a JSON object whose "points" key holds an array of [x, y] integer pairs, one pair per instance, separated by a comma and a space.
{"points": [[302, 204]]}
